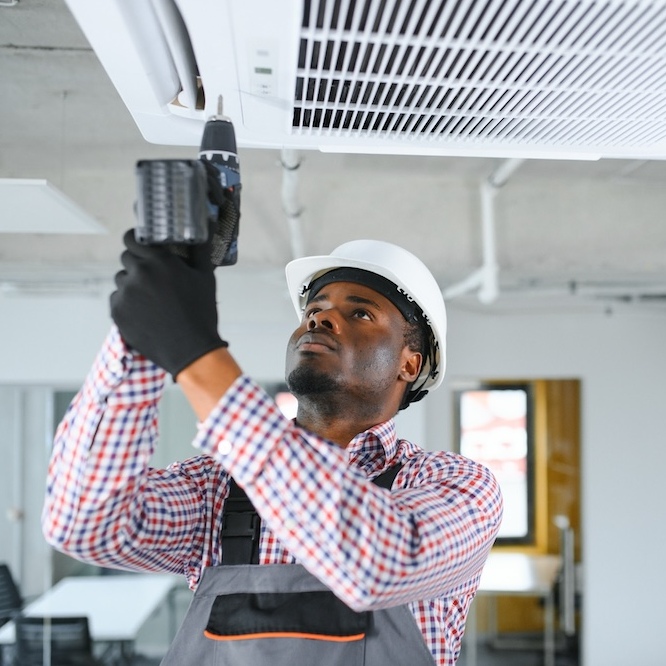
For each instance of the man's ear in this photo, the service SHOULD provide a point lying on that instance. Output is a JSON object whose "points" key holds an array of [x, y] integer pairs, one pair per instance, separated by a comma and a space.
{"points": [[411, 365]]}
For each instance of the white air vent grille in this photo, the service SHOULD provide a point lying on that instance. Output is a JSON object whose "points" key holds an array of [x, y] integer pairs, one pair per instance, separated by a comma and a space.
{"points": [[538, 72], [576, 79]]}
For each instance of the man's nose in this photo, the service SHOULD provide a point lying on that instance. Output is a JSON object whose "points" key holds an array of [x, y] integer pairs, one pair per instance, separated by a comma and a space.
{"points": [[323, 319]]}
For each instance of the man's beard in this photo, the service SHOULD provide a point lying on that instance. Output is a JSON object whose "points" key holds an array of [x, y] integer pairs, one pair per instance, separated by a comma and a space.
{"points": [[306, 382]]}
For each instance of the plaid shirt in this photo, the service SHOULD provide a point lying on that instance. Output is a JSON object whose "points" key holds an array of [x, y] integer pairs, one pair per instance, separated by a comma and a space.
{"points": [[422, 544]]}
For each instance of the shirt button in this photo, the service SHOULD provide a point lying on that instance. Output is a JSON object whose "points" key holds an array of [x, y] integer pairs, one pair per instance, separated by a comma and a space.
{"points": [[224, 447], [116, 367]]}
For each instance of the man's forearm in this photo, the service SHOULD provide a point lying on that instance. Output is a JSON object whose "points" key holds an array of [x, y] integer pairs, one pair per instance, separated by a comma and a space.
{"points": [[206, 380]]}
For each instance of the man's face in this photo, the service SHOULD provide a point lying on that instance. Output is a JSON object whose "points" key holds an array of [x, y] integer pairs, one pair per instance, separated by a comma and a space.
{"points": [[348, 347]]}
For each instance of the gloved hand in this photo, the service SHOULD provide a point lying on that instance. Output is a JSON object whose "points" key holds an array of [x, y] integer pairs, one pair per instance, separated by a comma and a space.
{"points": [[164, 305], [224, 251]]}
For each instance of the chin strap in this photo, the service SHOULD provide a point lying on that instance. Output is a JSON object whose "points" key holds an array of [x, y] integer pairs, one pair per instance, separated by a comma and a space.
{"points": [[410, 397]]}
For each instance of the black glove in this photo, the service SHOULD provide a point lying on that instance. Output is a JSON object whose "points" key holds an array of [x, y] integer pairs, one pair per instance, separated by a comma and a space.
{"points": [[224, 251], [224, 226], [164, 305]]}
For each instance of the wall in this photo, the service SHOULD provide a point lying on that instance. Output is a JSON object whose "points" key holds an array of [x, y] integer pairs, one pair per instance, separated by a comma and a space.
{"points": [[619, 358], [621, 362], [25, 417]]}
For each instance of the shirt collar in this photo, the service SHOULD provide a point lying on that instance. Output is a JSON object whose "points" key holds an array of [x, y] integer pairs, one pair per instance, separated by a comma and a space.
{"points": [[374, 449]]}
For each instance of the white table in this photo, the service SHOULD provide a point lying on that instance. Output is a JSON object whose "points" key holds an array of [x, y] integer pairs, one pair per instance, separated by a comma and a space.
{"points": [[518, 574], [116, 606]]}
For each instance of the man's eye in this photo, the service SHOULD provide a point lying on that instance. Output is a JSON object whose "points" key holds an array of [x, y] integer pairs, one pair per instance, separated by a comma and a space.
{"points": [[310, 312], [361, 314]]}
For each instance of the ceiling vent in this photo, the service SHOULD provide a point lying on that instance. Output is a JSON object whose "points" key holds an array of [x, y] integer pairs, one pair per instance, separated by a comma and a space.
{"points": [[498, 78]]}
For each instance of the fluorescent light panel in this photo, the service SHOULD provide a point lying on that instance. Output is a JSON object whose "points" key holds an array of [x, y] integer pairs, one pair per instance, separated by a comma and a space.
{"points": [[34, 206]]}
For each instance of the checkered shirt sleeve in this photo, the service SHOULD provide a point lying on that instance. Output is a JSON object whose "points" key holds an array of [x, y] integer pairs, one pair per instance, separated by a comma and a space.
{"points": [[104, 504]]}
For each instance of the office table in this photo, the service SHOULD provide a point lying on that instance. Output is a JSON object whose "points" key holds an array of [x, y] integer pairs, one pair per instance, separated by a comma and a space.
{"points": [[117, 606], [518, 574]]}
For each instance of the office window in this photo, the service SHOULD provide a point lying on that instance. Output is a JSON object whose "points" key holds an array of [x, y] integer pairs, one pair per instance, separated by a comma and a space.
{"points": [[494, 427]]}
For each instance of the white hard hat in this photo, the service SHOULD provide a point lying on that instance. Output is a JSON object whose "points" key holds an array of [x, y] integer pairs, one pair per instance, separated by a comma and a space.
{"points": [[409, 274]]}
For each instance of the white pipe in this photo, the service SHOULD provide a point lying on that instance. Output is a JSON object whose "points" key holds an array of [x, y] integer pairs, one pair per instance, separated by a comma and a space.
{"points": [[291, 162], [486, 277], [489, 288], [473, 281], [504, 171]]}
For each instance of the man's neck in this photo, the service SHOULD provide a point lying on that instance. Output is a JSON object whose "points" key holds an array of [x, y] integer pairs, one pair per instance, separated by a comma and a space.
{"points": [[337, 428]]}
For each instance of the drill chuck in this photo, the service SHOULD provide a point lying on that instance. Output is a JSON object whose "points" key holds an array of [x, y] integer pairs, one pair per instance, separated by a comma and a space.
{"points": [[218, 146]]}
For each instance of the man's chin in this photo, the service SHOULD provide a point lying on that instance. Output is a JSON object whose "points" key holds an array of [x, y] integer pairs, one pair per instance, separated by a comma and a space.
{"points": [[305, 381]]}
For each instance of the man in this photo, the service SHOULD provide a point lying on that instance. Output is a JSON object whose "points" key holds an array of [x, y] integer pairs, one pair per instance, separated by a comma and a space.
{"points": [[351, 513]]}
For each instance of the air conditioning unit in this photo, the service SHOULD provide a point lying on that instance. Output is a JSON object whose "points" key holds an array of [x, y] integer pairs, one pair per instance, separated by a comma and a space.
{"points": [[578, 79]]}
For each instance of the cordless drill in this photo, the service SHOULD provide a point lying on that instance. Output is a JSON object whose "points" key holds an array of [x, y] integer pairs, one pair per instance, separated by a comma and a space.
{"points": [[178, 200]]}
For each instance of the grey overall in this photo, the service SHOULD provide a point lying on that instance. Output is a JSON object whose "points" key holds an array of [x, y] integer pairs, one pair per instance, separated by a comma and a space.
{"points": [[281, 615]]}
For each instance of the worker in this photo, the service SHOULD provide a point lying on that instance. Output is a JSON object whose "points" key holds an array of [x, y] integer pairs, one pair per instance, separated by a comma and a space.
{"points": [[380, 544]]}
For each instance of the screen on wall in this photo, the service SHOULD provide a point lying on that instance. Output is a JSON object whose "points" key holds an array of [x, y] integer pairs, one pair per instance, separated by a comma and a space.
{"points": [[494, 426]]}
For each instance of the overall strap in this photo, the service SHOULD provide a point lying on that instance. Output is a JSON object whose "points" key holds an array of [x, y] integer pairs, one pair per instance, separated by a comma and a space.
{"points": [[241, 528], [385, 479], [241, 524]]}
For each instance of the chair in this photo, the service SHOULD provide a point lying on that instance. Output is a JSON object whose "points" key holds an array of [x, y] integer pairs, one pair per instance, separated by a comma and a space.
{"points": [[53, 641], [11, 601]]}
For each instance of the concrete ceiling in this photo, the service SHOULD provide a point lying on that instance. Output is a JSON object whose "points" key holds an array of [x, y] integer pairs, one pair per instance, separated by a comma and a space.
{"points": [[563, 227]]}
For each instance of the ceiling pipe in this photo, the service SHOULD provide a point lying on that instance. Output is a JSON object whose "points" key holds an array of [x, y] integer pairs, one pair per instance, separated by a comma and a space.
{"points": [[291, 162], [485, 279]]}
